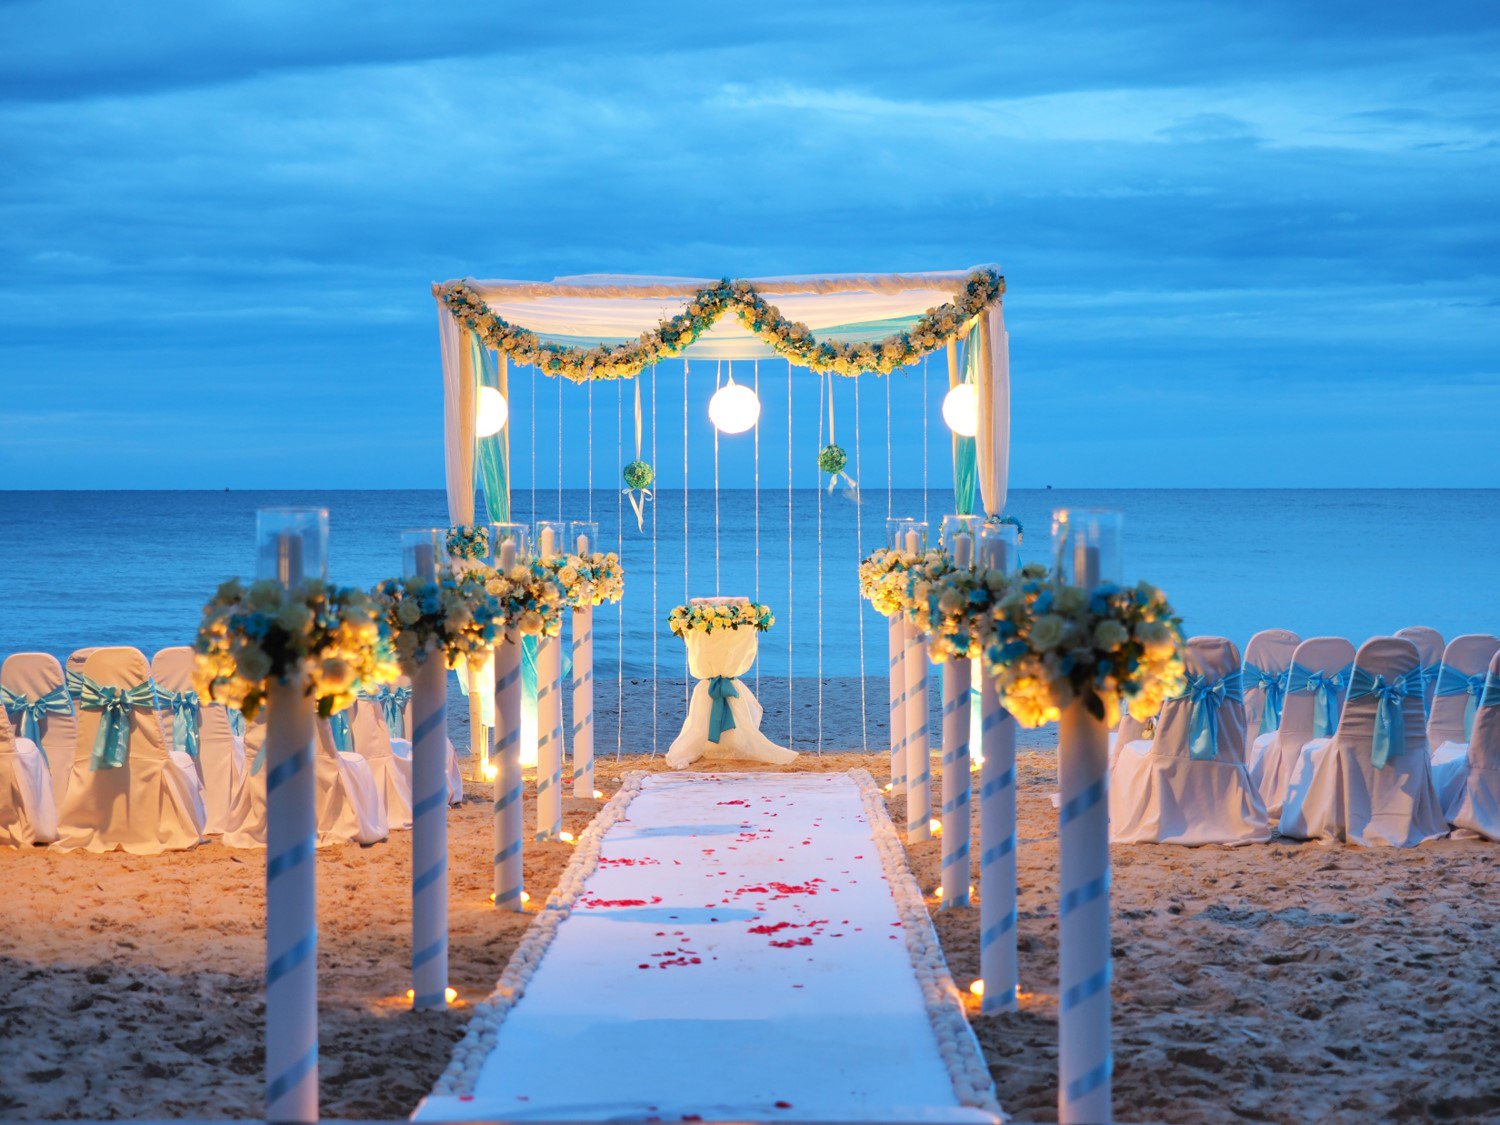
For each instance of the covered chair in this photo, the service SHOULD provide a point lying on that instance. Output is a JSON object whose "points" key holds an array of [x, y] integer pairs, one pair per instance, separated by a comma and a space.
{"points": [[1316, 681], [1455, 701], [1429, 644], [1371, 783], [1472, 796], [395, 704], [1268, 659], [27, 813], [391, 773], [33, 692], [200, 730], [1188, 785], [126, 790]]}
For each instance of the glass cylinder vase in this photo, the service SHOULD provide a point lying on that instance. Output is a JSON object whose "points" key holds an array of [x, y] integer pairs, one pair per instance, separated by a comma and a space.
{"points": [[291, 545], [1086, 546]]}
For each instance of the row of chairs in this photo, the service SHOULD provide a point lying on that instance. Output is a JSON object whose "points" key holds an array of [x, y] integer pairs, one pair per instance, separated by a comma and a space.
{"points": [[117, 753], [1391, 745]]}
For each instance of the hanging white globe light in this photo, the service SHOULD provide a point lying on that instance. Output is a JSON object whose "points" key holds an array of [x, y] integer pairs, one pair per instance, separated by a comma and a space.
{"points": [[490, 413], [734, 408], [961, 410]]}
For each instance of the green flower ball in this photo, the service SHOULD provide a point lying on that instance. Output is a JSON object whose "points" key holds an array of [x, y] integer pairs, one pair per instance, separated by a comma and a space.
{"points": [[638, 474], [832, 459]]}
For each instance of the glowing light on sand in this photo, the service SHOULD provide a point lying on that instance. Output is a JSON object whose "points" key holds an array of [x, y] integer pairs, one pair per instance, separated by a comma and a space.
{"points": [[936, 826], [490, 771], [449, 994], [976, 988], [598, 794], [567, 837]]}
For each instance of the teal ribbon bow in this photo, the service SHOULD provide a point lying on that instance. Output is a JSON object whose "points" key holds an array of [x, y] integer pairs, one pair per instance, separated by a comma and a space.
{"points": [[236, 721], [721, 690], [115, 704], [392, 702], [1451, 681], [32, 711], [1390, 721], [1325, 687], [1206, 697], [343, 737], [1273, 685], [186, 719]]}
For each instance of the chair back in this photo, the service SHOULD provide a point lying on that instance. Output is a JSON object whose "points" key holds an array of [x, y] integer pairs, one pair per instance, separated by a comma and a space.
{"points": [[1208, 719], [1484, 744], [118, 670], [7, 734], [38, 677], [1317, 680], [1383, 719], [372, 739], [1267, 658], [1459, 686], [1429, 644]]}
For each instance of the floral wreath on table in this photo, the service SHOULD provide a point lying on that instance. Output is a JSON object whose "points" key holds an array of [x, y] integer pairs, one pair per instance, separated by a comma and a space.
{"points": [[588, 579], [253, 635], [470, 542], [685, 619], [455, 615]]}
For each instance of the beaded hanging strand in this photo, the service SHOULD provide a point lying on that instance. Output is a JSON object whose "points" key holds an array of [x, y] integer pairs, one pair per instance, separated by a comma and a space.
{"points": [[620, 605], [687, 685], [888, 469], [559, 383], [859, 601], [790, 679], [655, 572], [824, 388], [925, 437], [756, 501], [718, 381]]}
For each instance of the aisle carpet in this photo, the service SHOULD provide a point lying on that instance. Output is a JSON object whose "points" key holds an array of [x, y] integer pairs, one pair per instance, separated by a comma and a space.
{"points": [[726, 946]]}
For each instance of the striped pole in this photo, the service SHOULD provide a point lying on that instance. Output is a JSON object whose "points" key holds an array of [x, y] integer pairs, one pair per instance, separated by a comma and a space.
{"points": [[918, 762], [291, 906], [957, 676], [1084, 1059], [549, 738], [997, 853], [429, 834], [508, 810], [897, 632], [583, 701]]}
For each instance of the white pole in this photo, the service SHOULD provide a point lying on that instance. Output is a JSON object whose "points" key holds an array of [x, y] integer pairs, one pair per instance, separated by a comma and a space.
{"points": [[508, 810], [918, 763], [958, 676], [898, 704], [1084, 1059], [549, 749], [429, 835], [998, 966], [583, 694]]}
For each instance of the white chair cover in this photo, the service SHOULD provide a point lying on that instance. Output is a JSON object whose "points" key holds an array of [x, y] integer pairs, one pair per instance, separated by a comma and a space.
{"points": [[34, 675], [1130, 730], [221, 756], [1465, 662], [27, 813], [392, 774], [1160, 794], [401, 747], [1269, 654], [731, 653], [148, 805], [1272, 765], [1338, 794], [1473, 797], [1429, 644]]}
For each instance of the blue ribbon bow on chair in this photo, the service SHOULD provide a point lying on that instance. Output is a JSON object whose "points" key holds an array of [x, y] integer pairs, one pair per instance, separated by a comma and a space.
{"points": [[721, 690], [1206, 697], [1325, 688], [1451, 681], [343, 737], [54, 702], [1274, 687], [1390, 722], [392, 702], [112, 742], [186, 717], [236, 721]]}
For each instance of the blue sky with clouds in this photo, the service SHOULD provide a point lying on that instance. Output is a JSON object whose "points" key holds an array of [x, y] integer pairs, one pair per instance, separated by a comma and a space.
{"points": [[1246, 244]]}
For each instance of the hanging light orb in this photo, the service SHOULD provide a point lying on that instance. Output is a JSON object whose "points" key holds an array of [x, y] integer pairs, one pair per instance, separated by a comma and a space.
{"points": [[733, 409], [961, 410], [491, 412]]}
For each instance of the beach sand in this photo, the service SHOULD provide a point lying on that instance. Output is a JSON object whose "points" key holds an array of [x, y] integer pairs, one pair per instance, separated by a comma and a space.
{"points": [[1283, 982]]}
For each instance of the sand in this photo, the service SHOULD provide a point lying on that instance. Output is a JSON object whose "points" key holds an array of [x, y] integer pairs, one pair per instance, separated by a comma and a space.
{"points": [[1284, 982]]}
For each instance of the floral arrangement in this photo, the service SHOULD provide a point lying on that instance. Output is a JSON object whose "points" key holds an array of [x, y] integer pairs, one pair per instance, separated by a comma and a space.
{"points": [[531, 598], [639, 475], [685, 619], [832, 459], [469, 542], [253, 635], [456, 615], [1015, 523], [792, 341], [1114, 646], [588, 580], [883, 579], [953, 604]]}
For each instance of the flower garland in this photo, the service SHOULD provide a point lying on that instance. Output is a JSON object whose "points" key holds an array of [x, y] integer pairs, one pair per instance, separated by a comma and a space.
{"points": [[456, 615], [792, 341], [253, 635], [952, 605], [531, 598], [883, 579], [588, 580], [685, 619], [469, 542]]}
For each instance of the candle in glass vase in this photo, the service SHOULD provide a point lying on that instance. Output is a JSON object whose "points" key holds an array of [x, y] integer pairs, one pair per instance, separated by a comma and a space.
{"points": [[963, 550], [547, 542], [1085, 565]]}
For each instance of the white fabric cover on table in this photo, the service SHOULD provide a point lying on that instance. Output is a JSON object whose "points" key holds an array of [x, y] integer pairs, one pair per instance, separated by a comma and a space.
{"points": [[1471, 789], [1429, 644], [1337, 793], [1271, 651], [392, 774], [27, 813], [724, 652], [1160, 794], [151, 803], [35, 674], [221, 755], [1273, 758]]}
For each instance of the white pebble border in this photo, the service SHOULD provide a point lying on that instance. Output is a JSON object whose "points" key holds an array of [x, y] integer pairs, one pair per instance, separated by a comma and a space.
{"points": [[940, 996], [484, 1028]]}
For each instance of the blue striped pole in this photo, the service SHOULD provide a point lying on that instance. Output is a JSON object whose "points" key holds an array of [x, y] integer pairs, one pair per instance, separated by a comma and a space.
{"points": [[549, 738], [998, 966], [291, 906], [1085, 1062], [898, 704], [583, 701], [957, 678], [918, 761], [429, 834], [508, 810]]}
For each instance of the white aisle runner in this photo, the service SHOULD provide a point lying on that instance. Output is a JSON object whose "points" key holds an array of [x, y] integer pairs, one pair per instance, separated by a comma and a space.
{"points": [[726, 946]]}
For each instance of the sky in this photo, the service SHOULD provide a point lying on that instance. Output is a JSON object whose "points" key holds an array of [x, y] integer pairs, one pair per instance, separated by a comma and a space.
{"points": [[1246, 244]]}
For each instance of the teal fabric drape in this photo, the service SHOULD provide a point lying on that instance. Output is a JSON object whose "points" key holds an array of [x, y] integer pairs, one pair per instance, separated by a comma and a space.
{"points": [[965, 450], [492, 454]]}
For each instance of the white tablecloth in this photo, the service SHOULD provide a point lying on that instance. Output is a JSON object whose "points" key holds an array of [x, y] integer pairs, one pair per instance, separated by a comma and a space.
{"points": [[724, 652]]}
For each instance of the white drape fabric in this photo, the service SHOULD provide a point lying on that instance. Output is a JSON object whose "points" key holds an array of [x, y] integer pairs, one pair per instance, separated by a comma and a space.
{"points": [[1274, 757], [391, 774], [27, 813], [35, 674], [1472, 789], [150, 804], [992, 451], [1338, 795], [1160, 794], [459, 392], [221, 756], [724, 652]]}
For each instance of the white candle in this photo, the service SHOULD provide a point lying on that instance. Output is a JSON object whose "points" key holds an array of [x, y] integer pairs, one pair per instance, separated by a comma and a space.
{"points": [[547, 545], [963, 549], [507, 554], [1085, 565]]}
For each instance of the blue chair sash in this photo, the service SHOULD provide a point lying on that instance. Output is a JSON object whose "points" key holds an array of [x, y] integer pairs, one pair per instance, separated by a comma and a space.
{"points": [[392, 702], [236, 721], [1273, 686], [1451, 681], [186, 718], [721, 690], [1325, 687], [32, 711], [343, 737], [1206, 697], [1490, 697], [1390, 719], [115, 704]]}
